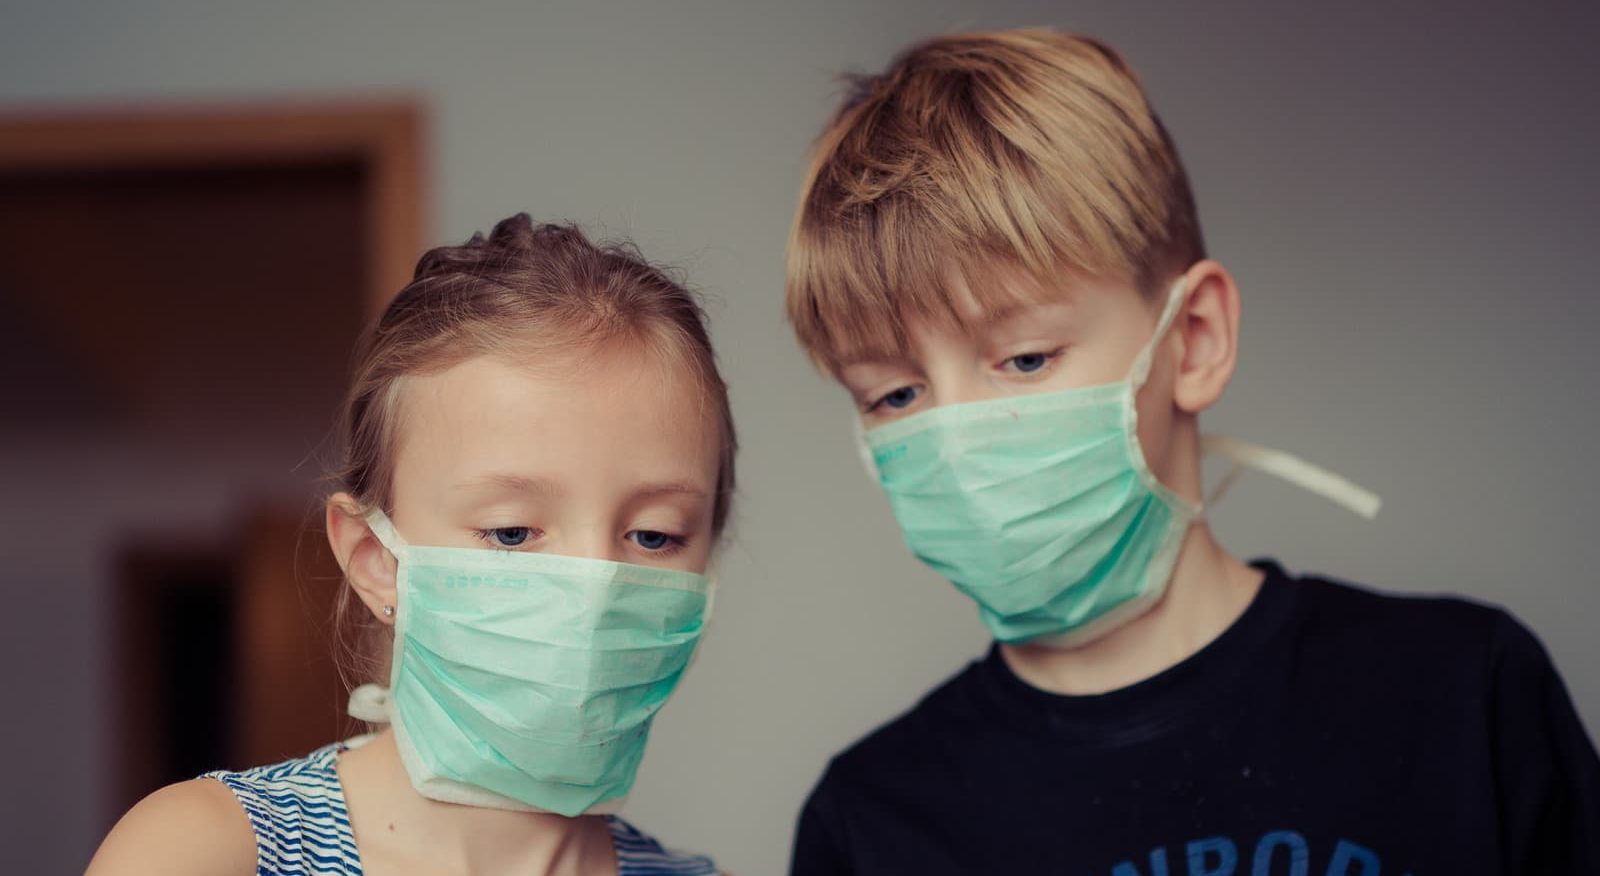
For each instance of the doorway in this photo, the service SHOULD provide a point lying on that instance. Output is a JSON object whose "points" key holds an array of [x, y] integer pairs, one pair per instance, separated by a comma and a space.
{"points": [[179, 294]]}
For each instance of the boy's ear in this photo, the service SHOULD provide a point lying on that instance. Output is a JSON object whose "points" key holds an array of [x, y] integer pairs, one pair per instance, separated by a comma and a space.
{"points": [[1209, 328], [368, 566]]}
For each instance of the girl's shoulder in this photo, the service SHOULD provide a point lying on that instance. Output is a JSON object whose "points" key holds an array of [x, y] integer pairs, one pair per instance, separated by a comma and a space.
{"points": [[639, 854], [295, 817], [297, 813], [191, 828], [276, 819], [311, 781]]}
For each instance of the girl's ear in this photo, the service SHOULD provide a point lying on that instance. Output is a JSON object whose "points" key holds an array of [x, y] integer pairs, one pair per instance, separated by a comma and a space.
{"points": [[368, 566], [1209, 327]]}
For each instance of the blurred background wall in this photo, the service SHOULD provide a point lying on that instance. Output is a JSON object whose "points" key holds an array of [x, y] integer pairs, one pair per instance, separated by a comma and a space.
{"points": [[1405, 191]]}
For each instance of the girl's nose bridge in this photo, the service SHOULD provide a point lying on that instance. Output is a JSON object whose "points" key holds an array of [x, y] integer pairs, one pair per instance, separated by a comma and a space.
{"points": [[586, 538]]}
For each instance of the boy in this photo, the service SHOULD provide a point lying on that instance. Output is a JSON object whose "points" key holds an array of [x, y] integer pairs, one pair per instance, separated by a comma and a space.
{"points": [[997, 254]]}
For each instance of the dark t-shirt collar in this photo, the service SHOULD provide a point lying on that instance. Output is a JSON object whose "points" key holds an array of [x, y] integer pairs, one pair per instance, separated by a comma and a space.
{"points": [[1150, 707]]}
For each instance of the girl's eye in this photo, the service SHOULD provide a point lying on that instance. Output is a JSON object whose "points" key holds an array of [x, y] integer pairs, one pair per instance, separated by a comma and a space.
{"points": [[506, 536], [898, 399], [1029, 363], [654, 541]]}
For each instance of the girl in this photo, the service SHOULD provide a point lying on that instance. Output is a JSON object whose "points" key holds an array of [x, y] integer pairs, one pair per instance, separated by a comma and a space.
{"points": [[536, 461]]}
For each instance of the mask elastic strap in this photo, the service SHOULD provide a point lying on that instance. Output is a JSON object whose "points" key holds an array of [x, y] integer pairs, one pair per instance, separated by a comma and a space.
{"points": [[387, 535], [863, 449], [712, 579], [1291, 468], [1140, 371], [371, 702]]}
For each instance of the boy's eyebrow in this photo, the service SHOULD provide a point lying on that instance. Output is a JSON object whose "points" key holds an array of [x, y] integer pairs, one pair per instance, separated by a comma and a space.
{"points": [[1007, 311], [1003, 313], [888, 363], [669, 488], [984, 321], [871, 359]]}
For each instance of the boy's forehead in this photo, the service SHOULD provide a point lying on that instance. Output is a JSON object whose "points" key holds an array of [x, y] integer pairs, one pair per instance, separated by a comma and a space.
{"points": [[983, 295], [964, 294], [966, 306], [982, 299]]}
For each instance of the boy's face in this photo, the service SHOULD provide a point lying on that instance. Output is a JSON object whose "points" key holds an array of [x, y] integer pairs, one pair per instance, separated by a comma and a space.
{"points": [[1085, 333]]}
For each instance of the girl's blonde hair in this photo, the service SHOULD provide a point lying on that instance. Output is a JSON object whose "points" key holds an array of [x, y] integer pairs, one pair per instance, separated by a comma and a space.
{"points": [[1026, 148], [523, 291]]}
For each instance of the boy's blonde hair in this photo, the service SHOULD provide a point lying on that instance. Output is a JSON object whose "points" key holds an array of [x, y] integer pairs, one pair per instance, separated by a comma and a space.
{"points": [[971, 152]]}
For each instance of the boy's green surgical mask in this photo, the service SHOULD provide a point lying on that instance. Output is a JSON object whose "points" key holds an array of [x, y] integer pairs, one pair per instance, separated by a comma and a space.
{"points": [[1043, 509], [529, 681]]}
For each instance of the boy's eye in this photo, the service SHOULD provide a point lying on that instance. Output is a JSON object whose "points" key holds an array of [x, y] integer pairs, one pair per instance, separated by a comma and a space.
{"points": [[506, 536], [898, 399], [1028, 363], [651, 540]]}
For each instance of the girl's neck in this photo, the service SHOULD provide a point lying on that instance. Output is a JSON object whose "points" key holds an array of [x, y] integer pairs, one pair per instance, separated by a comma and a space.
{"points": [[1209, 590], [398, 830]]}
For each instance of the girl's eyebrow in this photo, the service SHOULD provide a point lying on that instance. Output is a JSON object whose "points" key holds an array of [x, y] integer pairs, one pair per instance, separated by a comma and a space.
{"points": [[510, 483], [513, 483]]}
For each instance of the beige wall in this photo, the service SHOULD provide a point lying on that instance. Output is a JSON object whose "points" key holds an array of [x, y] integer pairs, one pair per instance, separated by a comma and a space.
{"points": [[1407, 197]]}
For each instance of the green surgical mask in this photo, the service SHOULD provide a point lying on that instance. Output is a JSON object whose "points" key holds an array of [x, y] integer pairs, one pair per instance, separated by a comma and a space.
{"points": [[1042, 508], [529, 681]]}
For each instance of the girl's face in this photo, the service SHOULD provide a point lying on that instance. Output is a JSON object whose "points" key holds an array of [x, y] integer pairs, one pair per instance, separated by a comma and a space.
{"points": [[606, 453]]}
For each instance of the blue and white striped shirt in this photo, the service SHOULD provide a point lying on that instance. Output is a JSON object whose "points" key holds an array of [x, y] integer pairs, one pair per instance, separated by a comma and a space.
{"points": [[302, 825]]}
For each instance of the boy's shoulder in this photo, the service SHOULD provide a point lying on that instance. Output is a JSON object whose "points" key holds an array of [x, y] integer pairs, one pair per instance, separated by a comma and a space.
{"points": [[1348, 634], [918, 738], [1451, 650], [1431, 628], [1385, 643]]}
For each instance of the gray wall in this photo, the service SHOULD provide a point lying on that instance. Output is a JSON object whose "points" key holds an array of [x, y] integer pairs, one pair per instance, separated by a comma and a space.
{"points": [[1406, 195]]}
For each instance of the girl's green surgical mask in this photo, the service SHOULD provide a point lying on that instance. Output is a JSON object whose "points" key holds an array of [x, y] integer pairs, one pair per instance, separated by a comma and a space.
{"points": [[529, 681], [1043, 509]]}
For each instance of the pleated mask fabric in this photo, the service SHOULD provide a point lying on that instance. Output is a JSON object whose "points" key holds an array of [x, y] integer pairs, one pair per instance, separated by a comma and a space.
{"points": [[530, 681]]}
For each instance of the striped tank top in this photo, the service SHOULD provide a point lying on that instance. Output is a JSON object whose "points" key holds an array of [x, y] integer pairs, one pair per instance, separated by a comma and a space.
{"points": [[302, 826]]}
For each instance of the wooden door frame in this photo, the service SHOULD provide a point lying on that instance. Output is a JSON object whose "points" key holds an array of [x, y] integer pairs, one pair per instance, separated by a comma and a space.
{"points": [[384, 135]]}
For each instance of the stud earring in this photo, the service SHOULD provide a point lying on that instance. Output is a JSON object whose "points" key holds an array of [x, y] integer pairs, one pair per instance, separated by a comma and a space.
{"points": [[388, 611]]}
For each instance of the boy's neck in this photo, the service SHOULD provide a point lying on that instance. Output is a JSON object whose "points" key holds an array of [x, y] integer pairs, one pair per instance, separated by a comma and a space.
{"points": [[1209, 590]]}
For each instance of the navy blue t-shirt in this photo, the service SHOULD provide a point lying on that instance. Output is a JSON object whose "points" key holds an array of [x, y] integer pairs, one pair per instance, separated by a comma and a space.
{"points": [[1330, 730]]}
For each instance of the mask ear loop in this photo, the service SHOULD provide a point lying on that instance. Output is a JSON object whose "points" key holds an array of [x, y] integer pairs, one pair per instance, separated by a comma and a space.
{"points": [[1241, 454], [1311, 478], [869, 464], [713, 580], [386, 534], [372, 702], [1224, 483], [1140, 372], [1137, 375]]}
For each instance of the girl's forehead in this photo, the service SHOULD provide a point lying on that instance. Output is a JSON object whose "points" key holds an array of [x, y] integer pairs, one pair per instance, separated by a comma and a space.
{"points": [[618, 411]]}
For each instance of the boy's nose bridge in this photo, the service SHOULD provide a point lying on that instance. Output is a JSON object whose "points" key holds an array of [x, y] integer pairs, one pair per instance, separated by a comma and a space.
{"points": [[956, 381]]}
